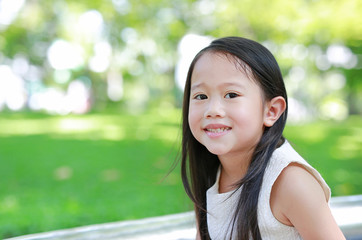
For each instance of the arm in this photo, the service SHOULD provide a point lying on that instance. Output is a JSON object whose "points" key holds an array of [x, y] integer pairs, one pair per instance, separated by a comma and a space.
{"points": [[198, 237], [298, 200]]}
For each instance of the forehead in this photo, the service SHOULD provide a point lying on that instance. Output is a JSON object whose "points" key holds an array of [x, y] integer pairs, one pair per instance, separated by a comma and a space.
{"points": [[221, 66]]}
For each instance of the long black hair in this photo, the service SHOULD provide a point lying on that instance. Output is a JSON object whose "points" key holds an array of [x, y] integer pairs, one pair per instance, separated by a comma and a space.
{"points": [[199, 166]]}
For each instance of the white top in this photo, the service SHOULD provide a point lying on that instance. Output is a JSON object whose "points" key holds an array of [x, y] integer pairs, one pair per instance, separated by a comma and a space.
{"points": [[221, 206]]}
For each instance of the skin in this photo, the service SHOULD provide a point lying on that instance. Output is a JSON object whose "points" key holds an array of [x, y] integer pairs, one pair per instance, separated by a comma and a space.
{"points": [[223, 97], [227, 115], [297, 199]]}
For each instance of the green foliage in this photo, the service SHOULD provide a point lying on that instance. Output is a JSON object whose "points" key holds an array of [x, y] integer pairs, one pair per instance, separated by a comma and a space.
{"points": [[306, 22], [144, 37]]}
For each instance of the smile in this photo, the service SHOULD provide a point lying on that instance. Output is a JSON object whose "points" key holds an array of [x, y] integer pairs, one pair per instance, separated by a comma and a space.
{"points": [[217, 130]]}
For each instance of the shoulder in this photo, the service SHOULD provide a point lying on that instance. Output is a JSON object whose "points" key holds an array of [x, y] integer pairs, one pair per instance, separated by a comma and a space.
{"points": [[288, 167], [298, 199], [293, 184], [296, 179]]}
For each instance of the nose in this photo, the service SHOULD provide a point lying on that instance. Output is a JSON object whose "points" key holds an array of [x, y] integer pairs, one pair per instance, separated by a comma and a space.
{"points": [[214, 109]]}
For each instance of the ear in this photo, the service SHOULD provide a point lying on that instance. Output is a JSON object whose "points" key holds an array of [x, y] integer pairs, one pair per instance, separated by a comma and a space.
{"points": [[273, 109]]}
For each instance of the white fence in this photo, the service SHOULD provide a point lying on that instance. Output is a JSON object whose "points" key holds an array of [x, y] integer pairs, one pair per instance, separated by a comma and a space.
{"points": [[347, 210]]}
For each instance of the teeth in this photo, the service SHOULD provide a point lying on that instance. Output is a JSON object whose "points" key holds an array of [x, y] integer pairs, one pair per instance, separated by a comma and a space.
{"points": [[217, 130]]}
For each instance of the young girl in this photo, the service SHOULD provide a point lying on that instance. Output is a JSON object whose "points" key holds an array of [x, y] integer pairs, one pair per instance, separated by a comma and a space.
{"points": [[245, 179]]}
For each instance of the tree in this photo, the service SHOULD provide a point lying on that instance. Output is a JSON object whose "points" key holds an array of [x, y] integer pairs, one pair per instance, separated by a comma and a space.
{"points": [[125, 51]]}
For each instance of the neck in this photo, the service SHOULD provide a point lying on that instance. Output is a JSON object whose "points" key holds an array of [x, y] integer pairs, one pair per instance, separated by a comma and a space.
{"points": [[233, 169]]}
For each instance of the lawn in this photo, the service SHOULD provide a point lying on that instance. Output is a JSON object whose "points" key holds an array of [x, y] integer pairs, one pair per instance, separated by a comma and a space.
{"points": [[66, 171]]}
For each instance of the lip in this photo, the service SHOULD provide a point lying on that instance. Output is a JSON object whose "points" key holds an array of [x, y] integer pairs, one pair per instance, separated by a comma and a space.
{"points": [[216, 130]]}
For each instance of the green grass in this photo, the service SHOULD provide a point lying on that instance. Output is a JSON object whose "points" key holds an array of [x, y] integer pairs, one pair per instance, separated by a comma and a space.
{"points": [[60, 172]]}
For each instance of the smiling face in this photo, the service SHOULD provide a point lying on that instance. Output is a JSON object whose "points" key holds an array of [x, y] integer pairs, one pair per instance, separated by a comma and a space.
{"points": [[226, 111]]}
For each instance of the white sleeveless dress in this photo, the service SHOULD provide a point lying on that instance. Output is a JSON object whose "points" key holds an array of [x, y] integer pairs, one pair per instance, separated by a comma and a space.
{"points": [[221, 206]]}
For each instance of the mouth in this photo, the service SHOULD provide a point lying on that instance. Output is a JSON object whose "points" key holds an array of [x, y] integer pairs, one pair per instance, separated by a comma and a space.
{"points": [[217, 130]]}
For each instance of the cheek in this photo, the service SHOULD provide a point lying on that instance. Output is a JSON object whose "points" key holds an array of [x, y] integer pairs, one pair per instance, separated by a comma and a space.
{"points": [[194, 120], [250, 118]]}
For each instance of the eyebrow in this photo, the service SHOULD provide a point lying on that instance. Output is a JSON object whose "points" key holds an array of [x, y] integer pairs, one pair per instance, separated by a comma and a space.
{"points": [[230, 84], [227, 84], [193, 87]]}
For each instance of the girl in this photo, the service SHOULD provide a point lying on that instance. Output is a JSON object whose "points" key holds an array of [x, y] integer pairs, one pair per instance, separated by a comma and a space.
{"points": [[244, 178]]}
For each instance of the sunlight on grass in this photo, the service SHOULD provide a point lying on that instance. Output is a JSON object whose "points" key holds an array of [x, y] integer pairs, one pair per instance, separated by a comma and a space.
{"points": [[166, 133], [63, 173], [10, 127], [97, 127], [348, 147], [312, 133], [9, 204], [112, 132], [55, 125], [72, 125]]}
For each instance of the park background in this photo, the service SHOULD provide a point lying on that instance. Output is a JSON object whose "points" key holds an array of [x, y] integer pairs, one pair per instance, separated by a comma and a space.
{"points": [[90, 97]]}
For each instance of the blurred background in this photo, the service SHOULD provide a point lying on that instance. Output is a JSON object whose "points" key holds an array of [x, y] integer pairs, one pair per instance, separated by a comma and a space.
{"points": [[90, 97]]}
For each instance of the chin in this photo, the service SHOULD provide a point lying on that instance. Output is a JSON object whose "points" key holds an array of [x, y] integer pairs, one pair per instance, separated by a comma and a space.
{"points": [[217, 151]]}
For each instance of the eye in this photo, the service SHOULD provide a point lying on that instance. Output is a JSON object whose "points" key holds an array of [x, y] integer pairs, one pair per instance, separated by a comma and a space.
{"points": [[231, 95], [200, 97]]}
